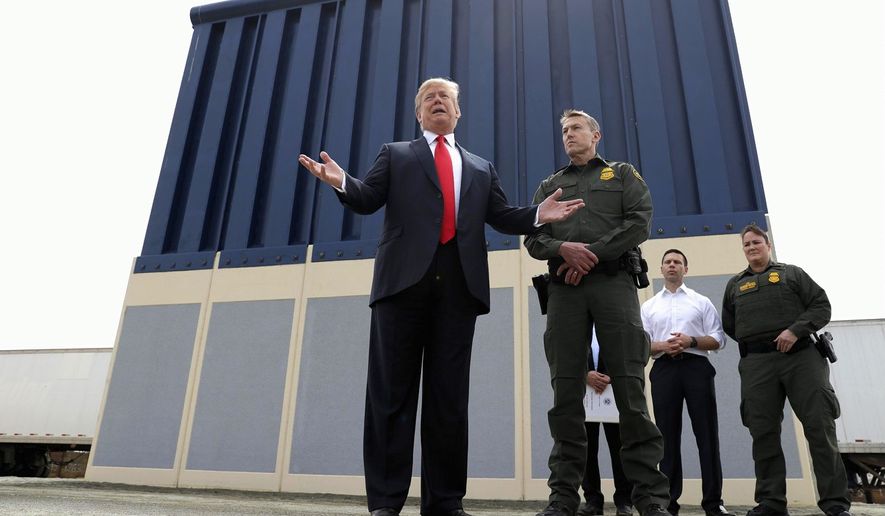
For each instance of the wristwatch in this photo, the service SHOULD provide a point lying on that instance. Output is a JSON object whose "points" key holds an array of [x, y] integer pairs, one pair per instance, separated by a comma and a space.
{"points": [[694, 343]]}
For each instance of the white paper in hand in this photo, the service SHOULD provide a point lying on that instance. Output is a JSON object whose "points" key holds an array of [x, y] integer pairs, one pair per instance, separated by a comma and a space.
{"points": [[600, 407]]}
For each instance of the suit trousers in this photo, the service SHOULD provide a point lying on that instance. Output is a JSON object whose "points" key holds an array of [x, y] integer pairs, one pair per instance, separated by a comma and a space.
{"points": [[592, 483], [689, 380], [610, 303], [431, 322]]}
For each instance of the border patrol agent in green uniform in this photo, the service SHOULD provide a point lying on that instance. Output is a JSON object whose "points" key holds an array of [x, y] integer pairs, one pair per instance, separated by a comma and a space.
{"points": [[590, 286], [771, 309]]}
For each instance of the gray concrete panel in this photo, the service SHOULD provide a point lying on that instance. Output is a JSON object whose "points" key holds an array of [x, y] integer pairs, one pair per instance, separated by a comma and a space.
{"points": [[491, 451], [735, 444], [142, 414], [331, 391], [541, 395], [240, 398], [327, 436]]}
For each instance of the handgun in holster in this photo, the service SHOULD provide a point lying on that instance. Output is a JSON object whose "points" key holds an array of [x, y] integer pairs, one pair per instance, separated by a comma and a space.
{"points": [[540, 282], [824, 344], [636, 265]]}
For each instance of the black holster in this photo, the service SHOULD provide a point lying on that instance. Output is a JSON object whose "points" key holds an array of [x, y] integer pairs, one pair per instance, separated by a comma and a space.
{"points": [[540, 282], [824, 345]]}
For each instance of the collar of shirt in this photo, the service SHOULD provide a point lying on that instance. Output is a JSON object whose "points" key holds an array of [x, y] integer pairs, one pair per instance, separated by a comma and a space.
{"points": [[457, 164], [681, 288], [595, 161]]}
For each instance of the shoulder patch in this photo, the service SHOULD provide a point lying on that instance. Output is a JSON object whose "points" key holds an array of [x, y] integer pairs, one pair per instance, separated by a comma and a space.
{"points": [[638, 176]]}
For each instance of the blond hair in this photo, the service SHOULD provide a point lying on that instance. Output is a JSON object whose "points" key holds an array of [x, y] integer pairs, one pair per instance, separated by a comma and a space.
{"points": [[452, 86]]}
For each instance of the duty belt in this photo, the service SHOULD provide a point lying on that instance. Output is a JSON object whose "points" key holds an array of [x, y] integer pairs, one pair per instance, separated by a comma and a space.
{"points": [[611, 268], [769, 347]]}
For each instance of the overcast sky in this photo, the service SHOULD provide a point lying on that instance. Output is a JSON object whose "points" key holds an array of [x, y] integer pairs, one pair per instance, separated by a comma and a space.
{"points": [[88, 91]]}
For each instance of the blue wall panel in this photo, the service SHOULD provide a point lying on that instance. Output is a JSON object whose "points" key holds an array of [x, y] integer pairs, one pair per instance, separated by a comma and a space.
{"points": [[268, 79]]}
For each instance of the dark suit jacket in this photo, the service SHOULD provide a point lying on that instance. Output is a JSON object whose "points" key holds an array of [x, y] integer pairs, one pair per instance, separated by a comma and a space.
{"points": [[404, 179]]}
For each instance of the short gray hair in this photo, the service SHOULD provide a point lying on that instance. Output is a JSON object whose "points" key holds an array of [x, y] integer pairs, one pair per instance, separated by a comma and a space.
{"points": [[570, 113]]}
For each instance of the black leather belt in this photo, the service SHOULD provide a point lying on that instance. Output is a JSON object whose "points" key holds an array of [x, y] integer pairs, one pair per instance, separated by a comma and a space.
{"points": [[680, 356]]}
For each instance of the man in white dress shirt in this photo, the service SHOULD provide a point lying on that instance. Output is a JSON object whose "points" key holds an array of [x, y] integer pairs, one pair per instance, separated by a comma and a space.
{"points": [[684, 327]]}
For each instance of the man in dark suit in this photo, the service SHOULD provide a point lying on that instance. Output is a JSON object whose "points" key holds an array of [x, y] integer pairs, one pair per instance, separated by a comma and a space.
{"points": [[598, 380], [431, 281]]}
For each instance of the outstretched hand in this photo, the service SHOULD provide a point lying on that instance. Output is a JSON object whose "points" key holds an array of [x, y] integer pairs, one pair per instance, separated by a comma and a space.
{"points": [[554, 210], [328, 172]]}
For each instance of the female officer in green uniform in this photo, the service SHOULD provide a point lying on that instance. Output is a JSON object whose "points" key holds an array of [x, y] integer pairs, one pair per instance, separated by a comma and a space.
{"points": [[771, 309]]}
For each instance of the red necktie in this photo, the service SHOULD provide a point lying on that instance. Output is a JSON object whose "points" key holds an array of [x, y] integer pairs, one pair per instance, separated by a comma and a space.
{"points": [[447, 184]]}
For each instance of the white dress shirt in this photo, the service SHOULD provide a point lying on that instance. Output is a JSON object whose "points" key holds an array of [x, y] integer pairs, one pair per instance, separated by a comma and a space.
{"points": [[683, 311]]}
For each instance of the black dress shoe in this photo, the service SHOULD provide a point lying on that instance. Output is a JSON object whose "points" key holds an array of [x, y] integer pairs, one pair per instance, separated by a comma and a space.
{"points": [[384, 511], [719, 511], [456, 512], [838, 511], [764, 510], [556, 509], [624, 510], [589, 510], [654, 510]]}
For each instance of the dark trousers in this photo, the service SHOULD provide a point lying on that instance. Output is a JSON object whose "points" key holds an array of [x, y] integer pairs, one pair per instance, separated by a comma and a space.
{"points": [[432, 321], [767, 381], [689, 380], [592, 484]]}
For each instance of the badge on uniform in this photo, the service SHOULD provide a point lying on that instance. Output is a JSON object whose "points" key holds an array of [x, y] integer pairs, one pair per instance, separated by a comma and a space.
{"points": [[774, 277], [606, 174]]}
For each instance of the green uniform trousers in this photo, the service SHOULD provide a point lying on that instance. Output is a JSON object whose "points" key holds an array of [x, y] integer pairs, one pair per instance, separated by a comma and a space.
{"points": [[803, 378], [609, 303]]}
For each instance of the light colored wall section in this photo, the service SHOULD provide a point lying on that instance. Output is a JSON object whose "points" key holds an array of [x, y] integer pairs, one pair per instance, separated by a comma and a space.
{"points": [[250, 284], [164, 288], [509, 270]]}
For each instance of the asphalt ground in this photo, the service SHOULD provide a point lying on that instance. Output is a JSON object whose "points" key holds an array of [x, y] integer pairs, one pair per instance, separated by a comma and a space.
{"points": [[54, 496]]}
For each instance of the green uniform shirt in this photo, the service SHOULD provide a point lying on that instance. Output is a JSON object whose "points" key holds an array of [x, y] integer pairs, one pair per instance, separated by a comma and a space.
{"points": [[761, 305], [615, 218]]}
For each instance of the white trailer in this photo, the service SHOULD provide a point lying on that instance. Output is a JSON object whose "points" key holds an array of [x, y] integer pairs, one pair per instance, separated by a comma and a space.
{"points": [[857, 377], [49, 403]]}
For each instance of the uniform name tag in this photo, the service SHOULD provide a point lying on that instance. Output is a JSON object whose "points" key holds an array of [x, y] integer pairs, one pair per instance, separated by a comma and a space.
{"points": [[747, 286]]}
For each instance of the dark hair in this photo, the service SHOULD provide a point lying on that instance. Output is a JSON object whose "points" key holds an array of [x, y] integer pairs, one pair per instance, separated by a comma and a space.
{"points": [[677, 251], [753, 228]]}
